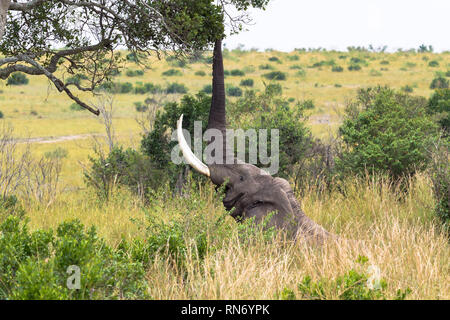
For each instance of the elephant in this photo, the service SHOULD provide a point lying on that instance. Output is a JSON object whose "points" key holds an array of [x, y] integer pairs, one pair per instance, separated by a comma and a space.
{"points": [[250, 192]]}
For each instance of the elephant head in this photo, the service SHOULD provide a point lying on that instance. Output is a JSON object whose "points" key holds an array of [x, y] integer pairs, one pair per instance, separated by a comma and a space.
{"points": [[249, 190]]}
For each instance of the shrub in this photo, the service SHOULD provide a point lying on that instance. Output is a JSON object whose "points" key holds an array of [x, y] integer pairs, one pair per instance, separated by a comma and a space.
{"points": [[337, 69], [33, 265], [76, 107], [148, 87], [375, 73], [140, 107], [172, 72], [307, 104], [207, 89], [237, 73], [200, 73], [357, 60], [247, 83], [275, 75], [439, 107], [293, 57], [10, 206], [440, 176], [176, 87], [439, 83], [121, 168], [1, 115], [275, 59], [353, 285], [377, 134], [384, 62], [274, 89], [134, 73], [234, 91], [407, 89], [17, 79], [433, 63], [76, 79], [158, 145]]}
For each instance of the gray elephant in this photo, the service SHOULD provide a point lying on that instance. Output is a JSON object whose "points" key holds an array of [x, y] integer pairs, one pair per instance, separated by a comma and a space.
{"points": [[251, 191]]}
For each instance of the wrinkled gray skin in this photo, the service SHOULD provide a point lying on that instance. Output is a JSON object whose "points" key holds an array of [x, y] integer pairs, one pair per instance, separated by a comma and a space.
{"points": [[249, 190]]}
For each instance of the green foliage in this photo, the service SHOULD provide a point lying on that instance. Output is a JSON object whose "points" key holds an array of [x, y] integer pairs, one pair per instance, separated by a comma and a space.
{"points": [[176, 87], [307, 104], [439, 107], [207, 89], [354, 67], [439, 82], [148, 87], [275, 59], [120, 167], [247, 83], [58, 153], [134, 73], [237, 73], [407, 89], [266, 67], [268, 110], [1, 115], [440, 176], [275, 75], [353, 285], [33, 265], [172, 72], [200, 73], [337, 68], [233, 91], [274, 89], [433, 63], [17, 79], [384, 62], [385, 132], [76, 107], [10, 206]]}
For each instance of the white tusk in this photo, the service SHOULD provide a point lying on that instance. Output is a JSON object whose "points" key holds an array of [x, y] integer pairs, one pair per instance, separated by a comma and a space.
{"points": [[187, 153]]}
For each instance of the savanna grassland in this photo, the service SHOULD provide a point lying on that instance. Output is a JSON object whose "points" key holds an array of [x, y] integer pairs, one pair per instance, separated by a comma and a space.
{"points": [[394, 231]]}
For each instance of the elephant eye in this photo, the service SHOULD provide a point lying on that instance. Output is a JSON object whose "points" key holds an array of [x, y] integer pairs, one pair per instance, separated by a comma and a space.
{"points": [[242, 178]]}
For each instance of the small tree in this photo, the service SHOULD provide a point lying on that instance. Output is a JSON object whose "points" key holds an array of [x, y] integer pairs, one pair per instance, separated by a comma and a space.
{"points": [[385, 132], [439, 107]]}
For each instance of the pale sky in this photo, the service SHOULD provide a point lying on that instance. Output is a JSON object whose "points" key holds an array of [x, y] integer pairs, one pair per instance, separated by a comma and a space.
{"points": [[336, 24]]}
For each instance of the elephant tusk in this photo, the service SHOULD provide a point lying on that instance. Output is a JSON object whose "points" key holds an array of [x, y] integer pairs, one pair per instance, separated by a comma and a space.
{"points": [[187, 153]]}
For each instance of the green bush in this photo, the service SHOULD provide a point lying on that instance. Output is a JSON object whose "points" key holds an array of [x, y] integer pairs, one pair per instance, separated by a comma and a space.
{"points": [[274, 89], [385, 132], [176, 87], [76, 107], [266, 67], [17, 79], [384, 62], [207, 89], [140, 107], [172, 72], [33, 265], [307, 104], [439, 82], [134, 73], [200, 73], [275, 59], [407, 89], [337, 69], [148, 87], [433, 63], [439, 107], [10, 206], [237, 73], [1, 115], [233, 91], [353, 285], [247, 83], [158, 145], [275, 75]]}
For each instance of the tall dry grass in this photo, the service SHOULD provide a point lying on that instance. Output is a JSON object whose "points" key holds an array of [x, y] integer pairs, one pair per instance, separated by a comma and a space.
{"points": [[399, 235]]}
